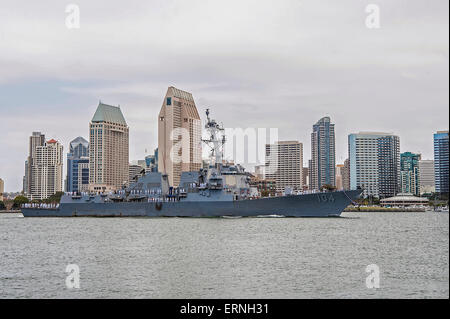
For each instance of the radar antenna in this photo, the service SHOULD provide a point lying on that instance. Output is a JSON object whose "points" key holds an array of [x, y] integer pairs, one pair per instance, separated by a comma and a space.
{"points": [[214, 142]]}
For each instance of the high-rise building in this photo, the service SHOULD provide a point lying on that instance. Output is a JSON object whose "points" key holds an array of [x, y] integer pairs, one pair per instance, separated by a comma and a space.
{"points": [[2, 189], [47, 170], [363, 160], [323, 154], [309, 174], [409, 173], [426, 177], [134, 171], [305, 178], [36, 139], [339, 176], [151, 162], [77, 179], [388, 166], [346, 175], [179, 135], [25, 179], [259, 171], [108, 149], [140, 163], [374, 162], [441, 162], [287, 170]]}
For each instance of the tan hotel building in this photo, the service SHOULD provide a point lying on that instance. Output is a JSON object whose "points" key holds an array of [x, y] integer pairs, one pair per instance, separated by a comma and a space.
{"points": [[179, 117], [108, 149]]}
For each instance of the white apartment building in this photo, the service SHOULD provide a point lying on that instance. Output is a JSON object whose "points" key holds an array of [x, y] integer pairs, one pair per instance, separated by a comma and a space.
{"points": [[364, 156], [426, 176], [47, 170]]}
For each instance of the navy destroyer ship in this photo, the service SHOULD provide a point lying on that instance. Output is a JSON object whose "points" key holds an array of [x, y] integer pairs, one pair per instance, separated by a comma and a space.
{"points": [[221, 190]]}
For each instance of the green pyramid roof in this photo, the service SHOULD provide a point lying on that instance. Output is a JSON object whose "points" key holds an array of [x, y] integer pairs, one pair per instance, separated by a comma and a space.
{"points": [[108, 113]]}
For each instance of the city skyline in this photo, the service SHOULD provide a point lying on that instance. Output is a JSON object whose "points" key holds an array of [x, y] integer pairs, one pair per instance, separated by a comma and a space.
{"points": [[305, 159], [362, 78]]}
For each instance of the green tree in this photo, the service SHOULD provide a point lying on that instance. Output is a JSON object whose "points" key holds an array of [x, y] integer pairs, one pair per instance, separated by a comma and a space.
{"points": [[328, 187], [264, 193], [55, 198], [2, 205], [19, 200]]}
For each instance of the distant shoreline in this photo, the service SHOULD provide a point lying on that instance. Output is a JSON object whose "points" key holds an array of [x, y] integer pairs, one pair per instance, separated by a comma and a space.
{"points": [[382, 209]]}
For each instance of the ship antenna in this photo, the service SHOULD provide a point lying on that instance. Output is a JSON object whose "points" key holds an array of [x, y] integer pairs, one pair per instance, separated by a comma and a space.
{"points": [[214, 142]]}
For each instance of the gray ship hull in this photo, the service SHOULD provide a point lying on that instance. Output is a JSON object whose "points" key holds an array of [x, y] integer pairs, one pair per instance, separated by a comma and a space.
{"points": [[306, 205]]}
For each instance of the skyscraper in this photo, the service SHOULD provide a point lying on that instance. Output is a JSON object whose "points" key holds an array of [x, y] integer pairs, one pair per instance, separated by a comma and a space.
{"points": [[441, 162], [346, 175], [134, 171], [310, 187], [151, 162], [179, 135], [323, 154], [305, 178], [77, 179], [409, 173], [374, 163], [36, 139], [2, 189], [339, 176], [47, 170], [426, 177], [388, 166], [287, 170], [25, 179], [108, 149]]}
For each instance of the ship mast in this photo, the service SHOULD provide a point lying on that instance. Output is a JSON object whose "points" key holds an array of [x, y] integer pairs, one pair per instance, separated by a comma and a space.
{"points": [[214, 142]]}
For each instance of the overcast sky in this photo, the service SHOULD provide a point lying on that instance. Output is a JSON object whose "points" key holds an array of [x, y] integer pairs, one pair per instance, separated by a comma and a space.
{"points": [[255, 63]]}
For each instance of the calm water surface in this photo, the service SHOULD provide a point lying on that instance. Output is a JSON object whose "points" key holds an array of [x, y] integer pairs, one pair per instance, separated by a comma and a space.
{"points": [[226, 258]]}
